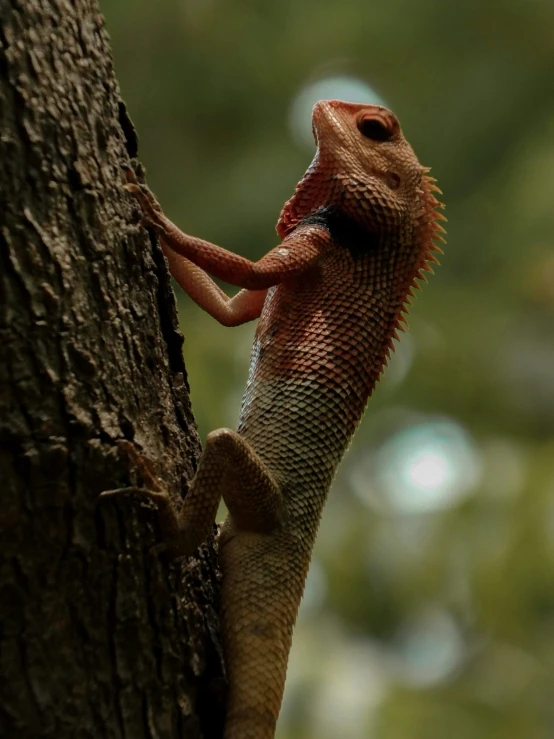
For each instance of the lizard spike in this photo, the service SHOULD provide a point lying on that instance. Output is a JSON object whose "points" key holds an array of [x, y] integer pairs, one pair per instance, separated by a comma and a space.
{"points": [[432, 258], [430, 229]]}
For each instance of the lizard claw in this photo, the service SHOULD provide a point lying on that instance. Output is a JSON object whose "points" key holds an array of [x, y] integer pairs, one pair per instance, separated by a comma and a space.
{"points": [[131, 187], [153, 488], [173, 540], [152, 213], [152, 495], [130, 174]]}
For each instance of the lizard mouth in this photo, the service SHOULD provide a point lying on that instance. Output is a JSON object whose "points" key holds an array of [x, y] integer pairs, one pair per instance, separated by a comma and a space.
{"points": [[329, 129]]}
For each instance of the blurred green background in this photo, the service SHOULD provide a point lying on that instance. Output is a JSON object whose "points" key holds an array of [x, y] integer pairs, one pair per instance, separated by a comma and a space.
{"points": [[429, 609]]}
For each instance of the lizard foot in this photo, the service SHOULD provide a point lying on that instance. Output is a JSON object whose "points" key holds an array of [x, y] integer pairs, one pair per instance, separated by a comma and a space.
{"points": [[152, 213], [175, 539]]}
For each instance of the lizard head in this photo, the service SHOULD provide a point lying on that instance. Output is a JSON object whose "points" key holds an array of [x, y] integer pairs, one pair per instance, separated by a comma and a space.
{"points": [[365, 167], [376, 175]]}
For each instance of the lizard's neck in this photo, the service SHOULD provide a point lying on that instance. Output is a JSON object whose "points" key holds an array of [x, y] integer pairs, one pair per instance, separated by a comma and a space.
{"points": [[312, 192], [319, 189]]}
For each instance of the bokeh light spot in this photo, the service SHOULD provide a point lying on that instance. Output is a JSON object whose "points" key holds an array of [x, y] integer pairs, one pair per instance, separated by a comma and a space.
{"points": [[428, 471], [429, 648], [427, 466], [336, 87]]}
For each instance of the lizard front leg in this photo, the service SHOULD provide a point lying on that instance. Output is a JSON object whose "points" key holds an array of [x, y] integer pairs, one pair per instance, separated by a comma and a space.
{"points": [[295, 255], [245, 306]]}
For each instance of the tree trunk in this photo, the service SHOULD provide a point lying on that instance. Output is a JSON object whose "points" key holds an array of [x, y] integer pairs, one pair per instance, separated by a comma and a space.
{"points": [[101, 636]]}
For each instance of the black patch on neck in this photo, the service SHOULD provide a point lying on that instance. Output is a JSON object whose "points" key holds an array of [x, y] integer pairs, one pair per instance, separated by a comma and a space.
{"points": [[344, 230]]}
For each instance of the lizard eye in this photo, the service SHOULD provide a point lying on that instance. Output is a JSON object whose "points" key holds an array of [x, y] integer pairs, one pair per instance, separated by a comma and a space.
{"points": [[374, 129]]}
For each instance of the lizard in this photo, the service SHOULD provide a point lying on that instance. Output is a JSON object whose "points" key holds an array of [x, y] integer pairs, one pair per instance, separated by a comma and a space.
{"points": [[356, 236]]}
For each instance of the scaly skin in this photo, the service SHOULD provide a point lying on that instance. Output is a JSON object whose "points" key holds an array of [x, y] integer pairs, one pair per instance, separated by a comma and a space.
{"points": [[356, 234]]}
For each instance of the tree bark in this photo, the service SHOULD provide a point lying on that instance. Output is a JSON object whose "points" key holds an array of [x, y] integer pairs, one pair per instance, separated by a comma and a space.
{"points": [[101, 635]]}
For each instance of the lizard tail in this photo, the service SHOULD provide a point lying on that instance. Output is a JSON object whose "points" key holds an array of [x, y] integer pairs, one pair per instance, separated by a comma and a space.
{"points": [[263, 580]]}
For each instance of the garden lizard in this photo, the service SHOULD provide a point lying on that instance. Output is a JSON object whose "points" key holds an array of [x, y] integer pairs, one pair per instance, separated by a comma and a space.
{"points": [[330, 297]]}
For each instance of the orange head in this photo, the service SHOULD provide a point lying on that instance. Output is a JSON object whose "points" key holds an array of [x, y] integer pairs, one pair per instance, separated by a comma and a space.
{"points": [[365, 167]]}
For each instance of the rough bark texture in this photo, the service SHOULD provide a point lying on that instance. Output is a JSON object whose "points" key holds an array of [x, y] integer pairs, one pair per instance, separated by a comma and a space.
{"points": [[100, 635]]}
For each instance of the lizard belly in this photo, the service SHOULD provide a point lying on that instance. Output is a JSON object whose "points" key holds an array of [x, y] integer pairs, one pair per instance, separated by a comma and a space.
{"points": [[297, 427]]}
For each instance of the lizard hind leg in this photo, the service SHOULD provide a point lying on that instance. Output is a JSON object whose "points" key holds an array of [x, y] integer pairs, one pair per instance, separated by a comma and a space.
{"points": [[231, 469], [228, 468], [249, 490]]}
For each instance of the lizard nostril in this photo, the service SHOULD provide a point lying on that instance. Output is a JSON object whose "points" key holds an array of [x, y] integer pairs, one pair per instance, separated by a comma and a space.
{"points": [[392, 180]]}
